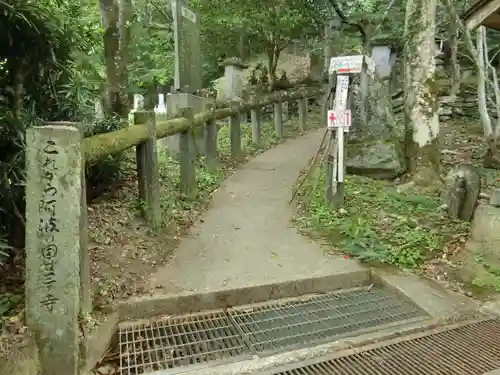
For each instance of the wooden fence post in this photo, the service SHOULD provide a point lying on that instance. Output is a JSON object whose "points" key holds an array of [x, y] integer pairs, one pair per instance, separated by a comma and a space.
{"points": [[278, 117], [147, 171], [210, 139], [302, 104], [255, 114], [285, 108], [245, 115], [187, 155], [235, 130], [53, 212]]}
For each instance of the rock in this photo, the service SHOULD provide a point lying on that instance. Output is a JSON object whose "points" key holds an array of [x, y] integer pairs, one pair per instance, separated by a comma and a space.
{"points": [[461, 191], [447, 99], [482, 250], [445, 110], [107, 369], [495, 198], [485, 233], [492, 158], [491, 307], [378, 160], [372, 149]]}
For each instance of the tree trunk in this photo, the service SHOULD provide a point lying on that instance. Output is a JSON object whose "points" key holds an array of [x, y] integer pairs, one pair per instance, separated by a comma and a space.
{"points": [[492, 157], [421, 105], [18, 92], [273, 55], [364, 80], [124, 22], [455, 66], [243, 45], [115, 102], [481, 85], [327, 48]]}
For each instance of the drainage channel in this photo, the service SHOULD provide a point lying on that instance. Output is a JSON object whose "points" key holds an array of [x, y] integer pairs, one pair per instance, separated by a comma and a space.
{"points": [[468, 350], [240, 333]]}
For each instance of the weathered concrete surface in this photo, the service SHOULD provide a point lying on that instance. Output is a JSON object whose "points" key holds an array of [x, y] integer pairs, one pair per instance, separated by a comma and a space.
{"points": [[491, 307], [193, 302], [438, 302], [247, 237]]}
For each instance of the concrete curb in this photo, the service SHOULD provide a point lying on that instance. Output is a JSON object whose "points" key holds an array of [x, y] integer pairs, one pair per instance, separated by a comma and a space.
{"points": [[185, 303]]}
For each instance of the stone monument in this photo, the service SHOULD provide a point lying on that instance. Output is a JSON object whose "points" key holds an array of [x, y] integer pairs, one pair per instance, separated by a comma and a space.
{"points": [[53, 212], [187, 77]]}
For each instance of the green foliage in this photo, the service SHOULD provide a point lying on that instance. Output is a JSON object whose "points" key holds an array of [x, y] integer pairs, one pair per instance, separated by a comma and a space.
{"points": [[490, 278], [108, 169], [377, 222], [269, 28], [8, 302]]}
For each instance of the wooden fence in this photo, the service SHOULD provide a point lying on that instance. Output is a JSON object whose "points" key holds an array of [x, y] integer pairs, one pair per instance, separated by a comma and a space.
{"points": [[58, 290]]}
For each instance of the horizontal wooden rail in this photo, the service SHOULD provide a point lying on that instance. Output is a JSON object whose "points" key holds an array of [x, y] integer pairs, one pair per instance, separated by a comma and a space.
{"points": [[98, 146]]}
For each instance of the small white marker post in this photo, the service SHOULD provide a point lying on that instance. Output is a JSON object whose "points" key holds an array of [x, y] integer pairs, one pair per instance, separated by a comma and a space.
{"points": [[339, 118]]}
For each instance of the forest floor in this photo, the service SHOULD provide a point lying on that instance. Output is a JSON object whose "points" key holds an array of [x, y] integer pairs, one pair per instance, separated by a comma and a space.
{"points": [[384, 225]]}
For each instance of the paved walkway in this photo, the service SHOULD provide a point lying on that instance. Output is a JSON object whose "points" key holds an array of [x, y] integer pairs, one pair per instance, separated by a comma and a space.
{"points": [[246, 238]]}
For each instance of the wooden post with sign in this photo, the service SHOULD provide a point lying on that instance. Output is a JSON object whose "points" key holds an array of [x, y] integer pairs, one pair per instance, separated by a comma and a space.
{"points": [[339, 121]]}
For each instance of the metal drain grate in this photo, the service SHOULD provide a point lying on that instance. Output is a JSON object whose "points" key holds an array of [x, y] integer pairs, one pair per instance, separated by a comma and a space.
{"points": [[302, 322], [207, 337], [178, 341], [469, 350]]}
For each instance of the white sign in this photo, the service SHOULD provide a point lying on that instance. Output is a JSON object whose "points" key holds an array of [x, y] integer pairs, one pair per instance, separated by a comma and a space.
{"points": [[188, 14], [341, 91], [339, 118], [343, 118], [346, 64]]}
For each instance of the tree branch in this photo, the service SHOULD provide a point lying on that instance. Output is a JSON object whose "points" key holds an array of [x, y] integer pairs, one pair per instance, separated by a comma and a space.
{"points": [[167, 16], [344, 19]]}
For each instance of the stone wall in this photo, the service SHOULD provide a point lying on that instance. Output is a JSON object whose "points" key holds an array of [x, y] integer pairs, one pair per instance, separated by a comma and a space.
{"points": [[465, 105]]}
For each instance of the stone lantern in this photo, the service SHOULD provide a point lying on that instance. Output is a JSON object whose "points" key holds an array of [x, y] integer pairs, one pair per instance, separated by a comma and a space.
{"points": [[233, 78]]}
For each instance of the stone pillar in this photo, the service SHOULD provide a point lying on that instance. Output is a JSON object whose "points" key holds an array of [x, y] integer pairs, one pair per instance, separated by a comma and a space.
{"points": [[174, 103], [138, 106], [233, 79], [53, 199], [285, 110]]}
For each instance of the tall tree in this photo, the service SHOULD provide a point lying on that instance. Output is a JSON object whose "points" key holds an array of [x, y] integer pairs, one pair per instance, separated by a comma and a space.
{"points": [[421, 104], [270, 27], [114, 22]]}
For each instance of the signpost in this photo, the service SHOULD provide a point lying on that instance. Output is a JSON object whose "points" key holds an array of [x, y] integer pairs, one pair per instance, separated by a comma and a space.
{"points": [[187, 47], [339, 120], [346, 64]]}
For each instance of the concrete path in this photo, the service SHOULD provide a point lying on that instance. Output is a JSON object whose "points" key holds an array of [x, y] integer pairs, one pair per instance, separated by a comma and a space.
{"points": [[246, 238]]}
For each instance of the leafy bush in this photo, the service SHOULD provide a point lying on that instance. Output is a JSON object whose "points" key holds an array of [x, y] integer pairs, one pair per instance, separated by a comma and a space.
{"points": [[107, 170]]}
